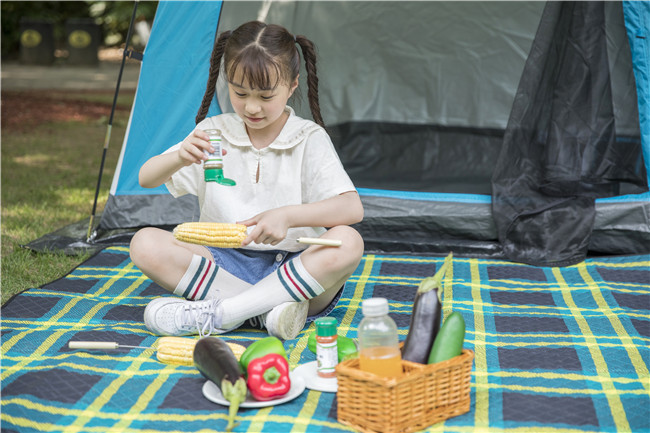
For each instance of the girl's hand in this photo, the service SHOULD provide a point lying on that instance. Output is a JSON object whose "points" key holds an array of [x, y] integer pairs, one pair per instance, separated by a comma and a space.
{"points": [[270, 227], [193, 148], [159, 169]]}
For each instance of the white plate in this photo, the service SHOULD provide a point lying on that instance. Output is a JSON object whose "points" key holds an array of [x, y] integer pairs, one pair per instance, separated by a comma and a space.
{"points": [[213, 393], [309, 372]]}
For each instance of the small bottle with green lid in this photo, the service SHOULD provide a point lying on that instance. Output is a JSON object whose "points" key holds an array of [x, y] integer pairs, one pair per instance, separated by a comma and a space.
{"points": [[326, 347], [213, 166]]}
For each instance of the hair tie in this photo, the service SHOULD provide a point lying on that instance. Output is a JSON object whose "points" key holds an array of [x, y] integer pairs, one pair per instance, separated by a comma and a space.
{"points": [[294, 39]]}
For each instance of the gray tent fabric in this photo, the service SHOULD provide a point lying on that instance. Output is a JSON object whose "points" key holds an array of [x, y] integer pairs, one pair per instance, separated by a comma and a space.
{"points": [[417, 97], [560, 150]]}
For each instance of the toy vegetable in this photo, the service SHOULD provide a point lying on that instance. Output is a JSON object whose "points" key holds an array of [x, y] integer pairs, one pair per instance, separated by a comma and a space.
{"points": [[426, 317], [268, 377], [215, 361], [345, 346], [222, 235], [449, 342], [261, 348]]}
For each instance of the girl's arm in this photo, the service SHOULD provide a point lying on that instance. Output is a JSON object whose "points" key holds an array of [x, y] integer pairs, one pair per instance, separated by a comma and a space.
{"points": [[159, 169], [271, 226]]}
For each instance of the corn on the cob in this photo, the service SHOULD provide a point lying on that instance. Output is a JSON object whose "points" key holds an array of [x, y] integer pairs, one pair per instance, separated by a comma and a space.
{"points": [[221, 235], [179, 350]]}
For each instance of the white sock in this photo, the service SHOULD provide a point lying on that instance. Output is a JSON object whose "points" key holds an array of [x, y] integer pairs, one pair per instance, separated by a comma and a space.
{"points": [[203, 279], [291, 282]]}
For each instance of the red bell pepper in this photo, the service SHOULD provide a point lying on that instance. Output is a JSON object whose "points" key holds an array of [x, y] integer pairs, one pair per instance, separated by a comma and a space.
{"points": [[268, 377]]}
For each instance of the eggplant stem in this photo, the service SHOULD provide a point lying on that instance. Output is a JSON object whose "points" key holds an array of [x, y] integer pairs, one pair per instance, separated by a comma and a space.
{"points": [[435, 282], [235, 394]]}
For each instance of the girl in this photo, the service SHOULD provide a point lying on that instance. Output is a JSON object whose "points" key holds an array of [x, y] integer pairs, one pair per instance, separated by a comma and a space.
{"points": [[289, 183]]}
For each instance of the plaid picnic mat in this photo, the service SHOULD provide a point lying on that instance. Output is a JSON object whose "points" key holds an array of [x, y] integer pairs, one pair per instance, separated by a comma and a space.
{"points": [[557, 349]]}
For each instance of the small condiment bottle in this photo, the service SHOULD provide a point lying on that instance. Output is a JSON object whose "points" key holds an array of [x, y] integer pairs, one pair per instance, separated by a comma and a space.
{"points": [[213, 166], [326, 347]]}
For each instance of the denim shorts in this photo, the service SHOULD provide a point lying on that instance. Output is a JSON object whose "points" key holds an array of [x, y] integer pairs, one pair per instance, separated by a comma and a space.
{"points": [[253, 265]]}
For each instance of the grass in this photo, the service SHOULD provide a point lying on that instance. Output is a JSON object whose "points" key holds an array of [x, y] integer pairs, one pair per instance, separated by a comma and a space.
{"points": [[49, 175]]}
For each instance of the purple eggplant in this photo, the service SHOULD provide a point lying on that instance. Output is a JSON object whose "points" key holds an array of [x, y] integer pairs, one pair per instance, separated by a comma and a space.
{"points": [[425, 317], [216, 361]]}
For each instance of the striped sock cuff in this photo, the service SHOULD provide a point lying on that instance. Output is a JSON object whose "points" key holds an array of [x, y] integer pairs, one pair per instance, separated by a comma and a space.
{"points": [[297, 281], [197, 279]]}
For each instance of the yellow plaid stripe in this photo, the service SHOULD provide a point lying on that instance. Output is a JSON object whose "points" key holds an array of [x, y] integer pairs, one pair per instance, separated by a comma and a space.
{"points": [[601, 366]]}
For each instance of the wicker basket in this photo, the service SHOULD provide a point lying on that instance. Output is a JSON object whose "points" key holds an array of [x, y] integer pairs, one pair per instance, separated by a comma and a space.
{"points": [[422, 396]]}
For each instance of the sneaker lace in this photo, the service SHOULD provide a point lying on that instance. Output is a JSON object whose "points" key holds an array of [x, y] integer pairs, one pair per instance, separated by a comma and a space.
{"points": [[200, 316]]}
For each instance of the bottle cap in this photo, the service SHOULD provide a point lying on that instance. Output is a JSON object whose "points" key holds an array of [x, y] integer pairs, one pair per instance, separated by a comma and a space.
{"points": [[212, 174], [326, 326], [374, 307], [216, 175]]}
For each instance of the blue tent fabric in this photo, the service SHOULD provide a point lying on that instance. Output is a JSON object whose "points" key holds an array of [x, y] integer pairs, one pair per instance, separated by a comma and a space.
{"points": [[172, 80], [637, 22]]}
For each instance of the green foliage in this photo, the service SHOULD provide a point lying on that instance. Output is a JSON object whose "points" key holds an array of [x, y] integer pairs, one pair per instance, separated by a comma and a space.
{"points": [[112, 17], [13, 12]]}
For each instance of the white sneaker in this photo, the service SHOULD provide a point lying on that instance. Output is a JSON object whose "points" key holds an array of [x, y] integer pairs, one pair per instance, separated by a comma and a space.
{"points": [[284, 321], [177, 316]]}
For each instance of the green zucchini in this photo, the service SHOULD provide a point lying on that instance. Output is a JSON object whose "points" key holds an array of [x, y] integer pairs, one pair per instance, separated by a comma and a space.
{"points": [[425, 317], [449, 342], [216, 362]]}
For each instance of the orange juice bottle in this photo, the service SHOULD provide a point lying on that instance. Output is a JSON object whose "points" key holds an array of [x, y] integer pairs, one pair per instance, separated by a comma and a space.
{"points": [[382, 361], [379, 346]]}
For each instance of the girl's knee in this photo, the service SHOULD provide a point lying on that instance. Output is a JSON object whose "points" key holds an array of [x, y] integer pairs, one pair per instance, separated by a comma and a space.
{"points": [[352, 242], [333, 266], [343, 258], [143, 243]]}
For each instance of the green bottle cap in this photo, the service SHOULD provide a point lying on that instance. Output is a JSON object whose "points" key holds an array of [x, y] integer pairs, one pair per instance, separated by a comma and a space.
{"points": [[212, 174], [216, 175], [326, 326]]}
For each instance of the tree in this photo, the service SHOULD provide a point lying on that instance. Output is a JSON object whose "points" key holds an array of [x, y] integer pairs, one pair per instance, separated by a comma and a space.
{"points": [[113, 17]]}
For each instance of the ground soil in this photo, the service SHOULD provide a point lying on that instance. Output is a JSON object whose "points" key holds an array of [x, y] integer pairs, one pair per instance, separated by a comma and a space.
{"points": [[22, 110]]}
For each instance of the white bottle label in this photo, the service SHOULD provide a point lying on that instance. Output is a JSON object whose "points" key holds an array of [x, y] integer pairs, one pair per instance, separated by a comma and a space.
{"points": [[327, 356], [215, 159]]}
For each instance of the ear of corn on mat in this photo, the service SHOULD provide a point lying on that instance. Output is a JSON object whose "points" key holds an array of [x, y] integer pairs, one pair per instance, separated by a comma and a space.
{"points": [[223, 235], [179, 350]]}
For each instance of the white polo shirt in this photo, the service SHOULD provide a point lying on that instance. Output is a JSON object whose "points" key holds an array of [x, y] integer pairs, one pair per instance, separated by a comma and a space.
{"points": [[300, 166]]}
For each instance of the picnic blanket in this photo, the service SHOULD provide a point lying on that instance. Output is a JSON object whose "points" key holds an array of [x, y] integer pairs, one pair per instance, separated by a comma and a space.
{"points": [[556, 349]]}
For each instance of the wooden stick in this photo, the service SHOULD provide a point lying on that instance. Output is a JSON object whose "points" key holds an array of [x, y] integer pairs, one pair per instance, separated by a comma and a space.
{"points": [[320, 241]]}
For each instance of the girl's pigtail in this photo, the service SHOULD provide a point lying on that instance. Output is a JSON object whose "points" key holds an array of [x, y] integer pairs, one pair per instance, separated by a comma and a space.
{"points": [[215, 65], [309, 53]]}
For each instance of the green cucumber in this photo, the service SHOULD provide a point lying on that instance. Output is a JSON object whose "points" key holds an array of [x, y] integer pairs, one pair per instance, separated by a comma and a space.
{"points": [[449, 341]]}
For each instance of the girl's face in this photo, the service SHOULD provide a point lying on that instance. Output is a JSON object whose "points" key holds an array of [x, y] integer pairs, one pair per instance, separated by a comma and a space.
{"points": [[261, 109]]}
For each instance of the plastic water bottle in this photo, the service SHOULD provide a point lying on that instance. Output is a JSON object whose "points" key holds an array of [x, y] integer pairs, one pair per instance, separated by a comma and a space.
{"points": [[379, 346]]}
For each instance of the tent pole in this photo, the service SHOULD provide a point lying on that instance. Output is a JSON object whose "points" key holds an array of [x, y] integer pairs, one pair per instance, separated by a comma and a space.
{"points": [[107, 138]]}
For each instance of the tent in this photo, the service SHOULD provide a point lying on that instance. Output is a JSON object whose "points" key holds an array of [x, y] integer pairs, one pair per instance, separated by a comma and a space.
{"points": [[438, 109]]}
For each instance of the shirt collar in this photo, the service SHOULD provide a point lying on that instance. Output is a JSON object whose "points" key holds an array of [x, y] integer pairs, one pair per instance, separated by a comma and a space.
{"points": [[294, 131]]}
